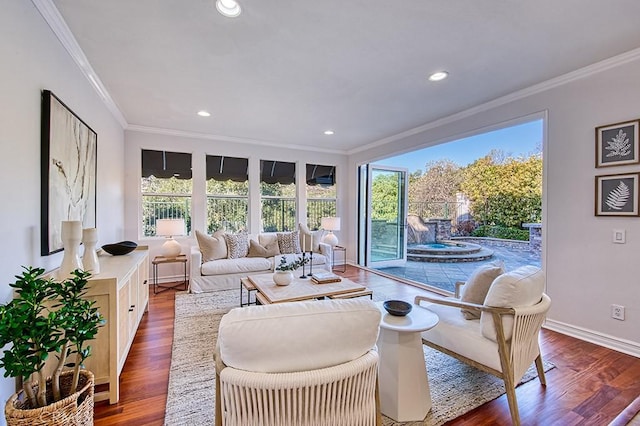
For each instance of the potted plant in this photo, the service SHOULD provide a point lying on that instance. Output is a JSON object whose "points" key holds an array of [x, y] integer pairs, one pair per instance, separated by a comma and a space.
{"points": [[284, 271], [48, 317]]}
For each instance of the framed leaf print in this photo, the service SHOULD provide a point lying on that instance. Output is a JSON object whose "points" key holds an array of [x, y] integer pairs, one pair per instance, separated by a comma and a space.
{"points": [[617, 144], [617, 195]]}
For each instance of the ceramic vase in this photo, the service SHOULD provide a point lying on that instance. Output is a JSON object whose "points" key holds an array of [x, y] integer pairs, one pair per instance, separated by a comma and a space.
{"points": [[282, 277], [71, 234], [90, 256]]}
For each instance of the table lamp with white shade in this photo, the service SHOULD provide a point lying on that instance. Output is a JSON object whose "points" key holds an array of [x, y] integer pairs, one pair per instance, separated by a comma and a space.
{"points": [[330, 224], [170, 228]]}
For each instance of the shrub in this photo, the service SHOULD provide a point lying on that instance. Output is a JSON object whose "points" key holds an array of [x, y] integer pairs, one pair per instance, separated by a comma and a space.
{"points": [[466, 227], [505, 233]]}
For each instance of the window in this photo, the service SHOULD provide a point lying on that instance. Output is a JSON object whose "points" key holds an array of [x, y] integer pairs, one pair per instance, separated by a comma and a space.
{"points": [[227, 193], [166, 188], [321, 194], [278, 195]]}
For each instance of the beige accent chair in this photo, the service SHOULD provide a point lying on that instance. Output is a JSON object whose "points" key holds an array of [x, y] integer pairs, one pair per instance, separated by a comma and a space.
{"points": [[504, 340], [299, 363]]}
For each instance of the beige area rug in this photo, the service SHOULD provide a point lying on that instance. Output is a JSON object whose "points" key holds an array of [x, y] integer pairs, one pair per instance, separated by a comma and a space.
{"points": [[455, 387]]}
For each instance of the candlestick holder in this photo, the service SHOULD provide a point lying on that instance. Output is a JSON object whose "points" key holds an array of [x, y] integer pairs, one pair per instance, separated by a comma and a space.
{"points": [[310, 263], [303, 262]]}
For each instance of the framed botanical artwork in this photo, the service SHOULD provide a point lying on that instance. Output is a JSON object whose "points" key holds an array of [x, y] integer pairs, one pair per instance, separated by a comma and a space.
{"points": [[68, 171], [617, 144], [617, 195]]}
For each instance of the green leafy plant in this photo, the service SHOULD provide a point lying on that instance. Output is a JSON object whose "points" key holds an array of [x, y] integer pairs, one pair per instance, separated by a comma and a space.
{"points": [[292, 266], [47, 317], [501, 232]]}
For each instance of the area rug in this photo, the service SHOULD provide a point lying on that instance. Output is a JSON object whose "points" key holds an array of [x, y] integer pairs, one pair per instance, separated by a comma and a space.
{"points": [[455, 387]]}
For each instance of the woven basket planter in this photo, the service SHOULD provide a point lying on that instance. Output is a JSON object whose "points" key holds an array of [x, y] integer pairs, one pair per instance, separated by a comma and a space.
{"points": [[76, 409]]}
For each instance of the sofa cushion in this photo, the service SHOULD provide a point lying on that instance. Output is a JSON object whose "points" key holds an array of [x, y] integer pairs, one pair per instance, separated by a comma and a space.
{"points": [[234, 266], [298, 336], [310, 240], [237, 245], [268, 238], [289, 242], [257, 250], [521, 287], [476, 288], [212, 247]]}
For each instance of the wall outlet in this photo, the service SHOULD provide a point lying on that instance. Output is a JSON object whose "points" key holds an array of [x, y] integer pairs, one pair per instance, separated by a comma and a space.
{"points": [[619, 236], [617, 312]]}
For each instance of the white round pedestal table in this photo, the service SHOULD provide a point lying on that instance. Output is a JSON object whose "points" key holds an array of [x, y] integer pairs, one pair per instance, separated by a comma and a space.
{"points": [[404, 385]]}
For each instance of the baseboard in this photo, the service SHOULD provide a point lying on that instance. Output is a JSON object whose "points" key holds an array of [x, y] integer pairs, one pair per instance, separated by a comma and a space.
{"points": [[621, 345]]}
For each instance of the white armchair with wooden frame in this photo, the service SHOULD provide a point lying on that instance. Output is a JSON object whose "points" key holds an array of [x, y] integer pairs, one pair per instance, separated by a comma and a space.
{"points": [[503, 340], [299, 363]]}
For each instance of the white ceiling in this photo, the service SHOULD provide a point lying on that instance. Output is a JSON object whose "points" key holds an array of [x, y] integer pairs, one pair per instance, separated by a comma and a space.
{"points": [[286, 70]]}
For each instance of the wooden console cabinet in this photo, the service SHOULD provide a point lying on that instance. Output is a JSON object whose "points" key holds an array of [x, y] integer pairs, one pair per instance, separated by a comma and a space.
{"points": [[121, 292]]}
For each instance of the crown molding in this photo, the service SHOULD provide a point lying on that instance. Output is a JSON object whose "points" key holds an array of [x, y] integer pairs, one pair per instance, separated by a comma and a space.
{"points": [[572, 76], [232, 139], [60, 28]]}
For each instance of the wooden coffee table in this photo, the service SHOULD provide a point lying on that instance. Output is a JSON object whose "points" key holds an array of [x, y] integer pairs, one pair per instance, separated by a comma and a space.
{"points": [[299, 289]]}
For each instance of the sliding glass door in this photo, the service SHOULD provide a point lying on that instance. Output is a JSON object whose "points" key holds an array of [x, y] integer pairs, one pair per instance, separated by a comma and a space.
{"points": [[385, 211]]}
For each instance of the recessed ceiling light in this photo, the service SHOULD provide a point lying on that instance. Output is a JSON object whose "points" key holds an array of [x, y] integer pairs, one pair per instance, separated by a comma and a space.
{"points": [[437, 76], [328, 132], [228, 8], [204, 114]]}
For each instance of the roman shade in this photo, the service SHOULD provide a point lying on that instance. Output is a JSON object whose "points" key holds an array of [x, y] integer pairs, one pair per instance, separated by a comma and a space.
{"points": [[277, 172], [222, 168], [321, 175], [166, 164]]}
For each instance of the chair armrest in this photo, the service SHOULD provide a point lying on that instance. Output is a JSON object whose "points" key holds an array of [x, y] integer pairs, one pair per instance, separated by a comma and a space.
{"points": [[458, 285], [448, 302], [466, 305], [196, 261], [326, 250]]}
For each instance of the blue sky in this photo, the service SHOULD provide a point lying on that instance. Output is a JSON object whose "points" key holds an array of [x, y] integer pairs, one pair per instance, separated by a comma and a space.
{"points": [[521, 140]]}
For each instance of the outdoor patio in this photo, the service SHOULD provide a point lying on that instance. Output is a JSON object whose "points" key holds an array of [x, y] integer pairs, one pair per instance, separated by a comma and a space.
{"points": [[444, 275]]}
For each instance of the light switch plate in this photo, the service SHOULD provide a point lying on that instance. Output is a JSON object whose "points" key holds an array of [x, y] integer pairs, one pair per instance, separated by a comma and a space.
{"points": [[619, 236]]}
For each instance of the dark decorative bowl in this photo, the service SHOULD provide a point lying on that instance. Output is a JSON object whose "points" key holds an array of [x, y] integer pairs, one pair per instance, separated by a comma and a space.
{"points": [[121, 248], [398, 308]]}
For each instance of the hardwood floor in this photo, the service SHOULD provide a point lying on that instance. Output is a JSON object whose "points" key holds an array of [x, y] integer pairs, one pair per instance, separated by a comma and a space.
{"points": [[590, 385]]}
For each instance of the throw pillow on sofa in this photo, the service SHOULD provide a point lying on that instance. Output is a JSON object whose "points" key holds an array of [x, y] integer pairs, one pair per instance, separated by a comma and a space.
{"points": [[237, 245], [212, 247], [257, 250], [289, 242], [477, 286]]}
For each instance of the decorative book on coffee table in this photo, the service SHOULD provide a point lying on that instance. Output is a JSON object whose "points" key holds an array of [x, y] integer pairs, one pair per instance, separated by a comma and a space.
{"points": [[325, 278]]}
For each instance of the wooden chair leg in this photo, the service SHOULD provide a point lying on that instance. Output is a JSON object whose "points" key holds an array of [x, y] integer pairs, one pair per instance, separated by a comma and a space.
{"points": [[511, 398], [540, 368]]}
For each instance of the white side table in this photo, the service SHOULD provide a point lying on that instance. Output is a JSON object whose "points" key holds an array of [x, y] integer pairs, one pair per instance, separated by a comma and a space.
{"points": [[404, 385]]}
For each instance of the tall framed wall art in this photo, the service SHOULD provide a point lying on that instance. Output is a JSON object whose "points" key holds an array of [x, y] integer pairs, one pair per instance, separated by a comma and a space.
{"points": [[68, 171]]}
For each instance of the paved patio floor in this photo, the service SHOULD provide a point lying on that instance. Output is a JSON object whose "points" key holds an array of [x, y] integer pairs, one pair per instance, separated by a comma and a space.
{"points": [[444, 275]]}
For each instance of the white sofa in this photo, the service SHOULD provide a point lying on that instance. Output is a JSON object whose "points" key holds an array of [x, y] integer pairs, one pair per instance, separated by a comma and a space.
{"points": [[225, 274]]}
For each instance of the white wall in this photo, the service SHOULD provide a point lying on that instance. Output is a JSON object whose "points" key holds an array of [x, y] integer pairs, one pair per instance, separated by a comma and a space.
{"points": [[32, 59], [199, 148], [586, 272]]}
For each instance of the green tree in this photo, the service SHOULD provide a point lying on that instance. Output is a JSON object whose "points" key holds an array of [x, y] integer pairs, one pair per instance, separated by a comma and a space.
{"points": [[439, 183], [503, 190]]}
